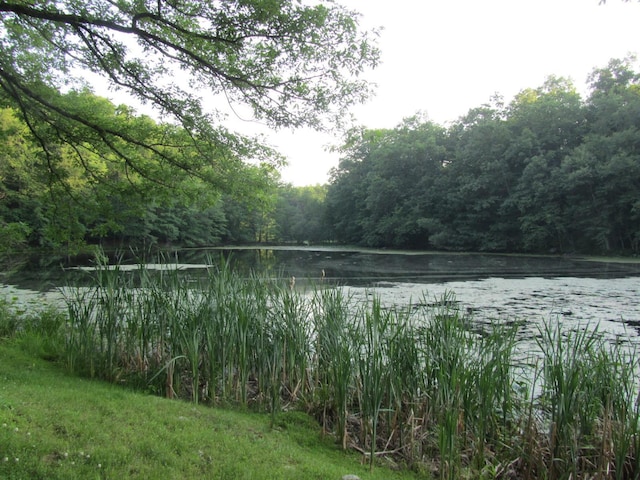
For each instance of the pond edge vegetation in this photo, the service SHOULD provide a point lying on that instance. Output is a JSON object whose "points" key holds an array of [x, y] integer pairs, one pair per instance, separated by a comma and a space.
{"points": [[420, 386]]}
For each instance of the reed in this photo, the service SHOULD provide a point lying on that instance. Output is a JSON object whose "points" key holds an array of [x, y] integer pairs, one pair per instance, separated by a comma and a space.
{"points": [[160, 313], [529, 452], [218, 328], [406, 385], [423, 384], [292, 320], [615, 373], [446, 344], [589, 392], [266, 346], [373, 369], [243, 310], [145, 334], [81, 340], [114, 296], [334, 358]]}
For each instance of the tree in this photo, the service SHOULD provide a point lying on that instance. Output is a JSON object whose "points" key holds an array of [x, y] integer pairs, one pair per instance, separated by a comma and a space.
{"points": [[347, 192], [380, 194], [101, 200], [477, 181], [546, 173], [299, 214], [291, 64], [613, 142], [546, 124]]}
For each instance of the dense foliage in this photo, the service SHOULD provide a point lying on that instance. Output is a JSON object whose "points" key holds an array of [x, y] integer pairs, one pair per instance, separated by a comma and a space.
{"points": [[76, 168], [105, 202], [285, 63], [549, 172], [104, 199]]}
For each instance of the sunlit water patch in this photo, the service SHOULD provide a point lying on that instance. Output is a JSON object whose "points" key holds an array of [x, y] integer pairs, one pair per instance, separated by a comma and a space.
{"points": [[611, 305]]}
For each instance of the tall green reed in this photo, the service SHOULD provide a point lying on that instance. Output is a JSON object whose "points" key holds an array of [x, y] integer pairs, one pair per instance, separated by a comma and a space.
{"points": [[267, 346], [615, 391], [424, 382], [405, 383], [218, 328], [243, 309], [528, 447], [490, 395], [80, 348], [334, 357], [291, 314], [570, 396], [167, 297], [97, 318], [446, 344], [373, 370]]}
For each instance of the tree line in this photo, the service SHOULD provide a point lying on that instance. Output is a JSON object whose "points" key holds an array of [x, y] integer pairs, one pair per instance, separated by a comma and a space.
{"points": [[75, 168], [104, 200], [88, 195], [548, 173]]}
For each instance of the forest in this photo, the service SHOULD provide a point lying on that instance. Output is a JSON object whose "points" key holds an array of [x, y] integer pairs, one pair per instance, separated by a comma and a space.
{"points": [[549, 172], [104, 201], [77, 169]]}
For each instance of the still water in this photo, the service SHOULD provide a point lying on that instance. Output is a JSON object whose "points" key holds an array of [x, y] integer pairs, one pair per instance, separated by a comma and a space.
{"points": [[506, 288]]}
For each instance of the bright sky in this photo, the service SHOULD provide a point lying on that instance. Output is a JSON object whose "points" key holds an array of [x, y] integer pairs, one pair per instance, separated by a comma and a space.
{"points": [[444, 57]]}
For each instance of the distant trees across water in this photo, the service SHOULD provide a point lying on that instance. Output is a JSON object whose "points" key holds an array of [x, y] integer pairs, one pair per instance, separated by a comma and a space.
{"points": [[549, 172]]}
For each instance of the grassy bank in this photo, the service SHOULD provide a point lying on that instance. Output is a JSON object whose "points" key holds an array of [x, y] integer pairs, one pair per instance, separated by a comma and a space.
{"points": [[54, 425]]}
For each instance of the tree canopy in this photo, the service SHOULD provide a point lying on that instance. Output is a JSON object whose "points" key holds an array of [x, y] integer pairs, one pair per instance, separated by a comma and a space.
{"points": [[549, 172], [291, 63]]}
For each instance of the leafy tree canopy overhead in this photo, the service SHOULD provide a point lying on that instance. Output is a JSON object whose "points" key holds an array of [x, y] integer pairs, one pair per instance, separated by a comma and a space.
{"points": [[293, 63]]}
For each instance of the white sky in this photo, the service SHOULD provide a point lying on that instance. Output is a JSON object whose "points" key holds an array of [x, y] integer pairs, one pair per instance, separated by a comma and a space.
{"points": [[444, 57]]}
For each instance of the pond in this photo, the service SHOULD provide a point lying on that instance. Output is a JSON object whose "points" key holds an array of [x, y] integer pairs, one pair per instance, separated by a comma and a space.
{"points": [[511, 288]]}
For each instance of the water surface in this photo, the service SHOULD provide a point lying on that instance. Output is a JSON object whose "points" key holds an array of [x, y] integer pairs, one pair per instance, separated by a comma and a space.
{"points": [[511, 288]]}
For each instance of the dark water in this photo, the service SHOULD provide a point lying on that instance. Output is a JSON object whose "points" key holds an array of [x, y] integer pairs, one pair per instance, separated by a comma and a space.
{"points": [[510, 288], [365, 268], [340, 266]]}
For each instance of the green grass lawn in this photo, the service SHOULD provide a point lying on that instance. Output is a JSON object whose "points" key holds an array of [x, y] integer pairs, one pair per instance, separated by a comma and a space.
{"points": [[57, 426]]}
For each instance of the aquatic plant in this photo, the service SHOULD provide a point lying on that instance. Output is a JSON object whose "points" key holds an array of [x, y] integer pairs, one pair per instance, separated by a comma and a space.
{"points": [[423, 383], [334, 361]]}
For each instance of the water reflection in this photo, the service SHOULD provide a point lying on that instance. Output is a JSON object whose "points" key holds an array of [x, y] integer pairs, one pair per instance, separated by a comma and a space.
{"points": [[366, 268], [505, 288]]}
